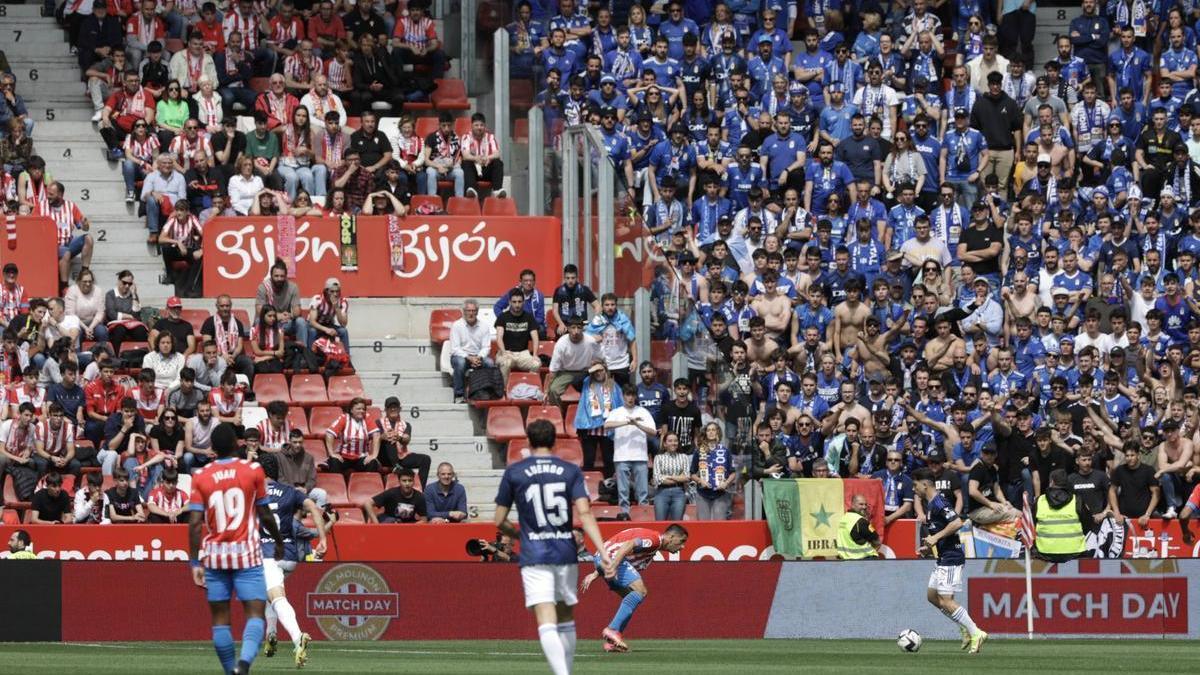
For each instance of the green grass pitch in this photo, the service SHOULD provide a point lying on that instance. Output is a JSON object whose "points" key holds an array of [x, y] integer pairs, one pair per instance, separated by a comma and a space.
{"points": [[648, 656]]}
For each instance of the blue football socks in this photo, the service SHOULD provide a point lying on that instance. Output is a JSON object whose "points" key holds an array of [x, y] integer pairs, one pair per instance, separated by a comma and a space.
{"points": [[625, 611], [223, 643], [252, 637]]}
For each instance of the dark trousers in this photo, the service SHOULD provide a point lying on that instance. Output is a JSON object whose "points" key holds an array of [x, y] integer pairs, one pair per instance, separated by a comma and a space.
{"points": [[417, 461], [590, 445], [113, 137], [492, 173], [187, 281], [1016, 32], [360, 101], [435, 60], [119, 333], [339, 465]]}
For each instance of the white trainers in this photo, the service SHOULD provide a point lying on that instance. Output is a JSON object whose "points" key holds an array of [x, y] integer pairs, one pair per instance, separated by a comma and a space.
{"points": [[130, 197], [97, 115], [500, 194], [1170, 514], [472, 193]]}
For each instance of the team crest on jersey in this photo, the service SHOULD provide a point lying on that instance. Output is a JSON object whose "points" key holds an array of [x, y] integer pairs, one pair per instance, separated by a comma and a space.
{"points": [[353, 602]]}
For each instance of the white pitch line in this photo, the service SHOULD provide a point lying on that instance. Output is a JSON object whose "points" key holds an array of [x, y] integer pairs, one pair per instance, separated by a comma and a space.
{"points": [[415, 652]]}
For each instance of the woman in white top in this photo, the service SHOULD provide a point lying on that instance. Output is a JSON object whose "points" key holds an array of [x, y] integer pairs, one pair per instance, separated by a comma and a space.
{"points": [[86, 301], [164, 361], [903, 165], [244, 186], [208, 105]]}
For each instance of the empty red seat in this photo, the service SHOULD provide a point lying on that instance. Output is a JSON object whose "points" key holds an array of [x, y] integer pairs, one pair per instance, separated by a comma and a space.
{"points": [[364, 485], [495, 206], [641, 512], [661, 352], [243, 316], [549, 413], [569, 419], [606, 512], [521, 129], [569, 450], [450, 95], [353, 121], [196, 317], [374, 414], [504, 423], [462, 206], [462, 126], [315, 448], [334, 486], [432, 201], [309, 391], [345, 388], [271, 387], [172, 45], [592, 480], [321, 418], [518, 377], [260, 84], [518, 449], [520, 96], [425, 126], [439, 324], [350, 514], [296, 418]]}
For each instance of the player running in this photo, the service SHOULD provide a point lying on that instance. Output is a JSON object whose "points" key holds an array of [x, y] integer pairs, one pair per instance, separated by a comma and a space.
{"points": [[946, 579], [229, 498], [632, 550], [544, 487], [285, 502]]}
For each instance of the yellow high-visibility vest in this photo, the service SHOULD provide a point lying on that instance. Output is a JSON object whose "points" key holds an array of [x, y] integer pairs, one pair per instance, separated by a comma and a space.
{"points": [[1058, 530], [847, 548]]}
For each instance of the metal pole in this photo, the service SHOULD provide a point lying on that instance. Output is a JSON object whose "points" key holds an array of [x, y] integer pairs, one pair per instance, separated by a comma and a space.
{"points": [[581, 138], [606, 224], [501, 86], [570, 205], [468, 10], [537, 163]]}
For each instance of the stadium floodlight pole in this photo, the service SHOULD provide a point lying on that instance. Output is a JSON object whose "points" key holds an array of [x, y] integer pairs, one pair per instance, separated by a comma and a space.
{"points": [[537, 164], [501, 86]]}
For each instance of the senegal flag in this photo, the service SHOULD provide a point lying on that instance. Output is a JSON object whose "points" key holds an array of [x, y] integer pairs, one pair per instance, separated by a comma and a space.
{"points": [[803, 513]]}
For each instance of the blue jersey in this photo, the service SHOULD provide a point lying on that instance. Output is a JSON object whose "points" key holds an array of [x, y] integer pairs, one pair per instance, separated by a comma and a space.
{"points": [[544, 489], [284, 502], [941, 514]]}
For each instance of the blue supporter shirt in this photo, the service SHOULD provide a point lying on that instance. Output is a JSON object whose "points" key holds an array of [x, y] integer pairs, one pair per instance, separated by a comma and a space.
{"points": [[826, 180], [1181, 59], [544, 489], [739, 183], [962, 153], [836, 121], [780, 152], [672, 162], [665, 72]]}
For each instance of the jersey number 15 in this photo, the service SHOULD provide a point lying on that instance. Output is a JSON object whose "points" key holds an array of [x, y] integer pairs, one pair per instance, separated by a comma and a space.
{"points": [[549, 503]]}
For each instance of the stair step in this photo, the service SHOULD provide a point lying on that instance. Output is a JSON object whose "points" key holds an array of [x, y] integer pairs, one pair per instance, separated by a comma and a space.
{"points": [[25, 12]]}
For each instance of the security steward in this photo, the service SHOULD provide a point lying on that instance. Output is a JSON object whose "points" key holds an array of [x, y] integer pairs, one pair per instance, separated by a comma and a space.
{"points": [[856, 537], [1061, 522]]}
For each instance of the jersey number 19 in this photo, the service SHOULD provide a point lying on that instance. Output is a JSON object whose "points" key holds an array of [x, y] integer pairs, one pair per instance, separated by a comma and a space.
{"points": [[228, 509], [549, 503]]}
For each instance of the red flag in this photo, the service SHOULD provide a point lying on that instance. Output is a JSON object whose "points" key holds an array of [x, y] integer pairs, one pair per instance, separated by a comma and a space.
{"points": [[870, 488], [1026, 528]]}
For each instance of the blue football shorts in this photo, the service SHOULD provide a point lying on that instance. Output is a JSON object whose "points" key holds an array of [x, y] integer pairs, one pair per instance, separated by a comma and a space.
{"points": [[249, 583], [626, 574]]}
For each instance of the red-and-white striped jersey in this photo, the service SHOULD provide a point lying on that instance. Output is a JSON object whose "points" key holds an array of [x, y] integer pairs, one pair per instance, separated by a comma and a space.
{"points": [[248, 26], [228, 491], [223, 404], [146, 31], [299, 68], [338, 74], [479, 147], [22, 441], [65, 216], [12, 301], [283, 30], [182, 230], [185, 148], [271, 437], [55, 442], [158, 496], [409, 149], [415, 33], [19, 394], [645, 545], [353, 436], [149, 399], [144, 150]]}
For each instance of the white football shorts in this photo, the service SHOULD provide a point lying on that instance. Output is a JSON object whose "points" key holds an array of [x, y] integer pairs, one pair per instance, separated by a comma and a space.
{"points": [[550, 583], [946, 579], [274, 571]]}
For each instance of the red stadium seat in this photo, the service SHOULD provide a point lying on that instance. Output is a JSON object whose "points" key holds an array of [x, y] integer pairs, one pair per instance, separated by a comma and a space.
{"points": [[10, 518], [434, 201], [495, 206], [334, 485], [364, 485], [518, 449], [172, 45], [345, 388], [571, 395], [309, 391], [569, 419], [260, 84], [392, 481], [439, 324], [425, 126], [641, 512], [520, 97], [689, 512], [10, 497], [243, 316], [570, 450], [350, 514], [107, 483], [518, 377], [132, 346], [661, 353], [521, 129], [462, 206], [606, 512], [549, 413], [450, 95], [321, 418], [296, 418], [315, 448], [592, 480], [271, 387], [374, 414], [353, 122], [462, 126], [546, 349], [196, 317], [504, 423]]}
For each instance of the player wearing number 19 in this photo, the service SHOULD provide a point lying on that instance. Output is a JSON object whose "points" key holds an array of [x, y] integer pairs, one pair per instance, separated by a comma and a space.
{"points": [[946, 579], [229, 499], [544, 488]]}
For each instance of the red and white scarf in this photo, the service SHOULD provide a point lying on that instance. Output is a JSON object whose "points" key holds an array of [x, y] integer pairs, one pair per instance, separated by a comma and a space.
{"points": [[227, 335], [208, 110], [135, 103], [322, 105]]}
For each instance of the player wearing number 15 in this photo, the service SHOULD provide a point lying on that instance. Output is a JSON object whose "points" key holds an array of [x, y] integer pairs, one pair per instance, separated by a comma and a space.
{"points": [[544, 488], [229, 500]]}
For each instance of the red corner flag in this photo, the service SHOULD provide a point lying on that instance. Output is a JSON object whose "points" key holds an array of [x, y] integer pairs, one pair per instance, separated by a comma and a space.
{"points": [[1026, 529]]}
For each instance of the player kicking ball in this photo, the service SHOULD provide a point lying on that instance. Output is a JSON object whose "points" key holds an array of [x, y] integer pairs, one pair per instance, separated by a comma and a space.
{"points": [[544, 489], [946, 579], [631, 550], [285, 501], [229, 498]]}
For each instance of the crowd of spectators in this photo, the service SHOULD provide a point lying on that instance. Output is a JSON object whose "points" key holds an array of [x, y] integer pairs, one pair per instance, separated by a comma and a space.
{"points": [[901, 243]]}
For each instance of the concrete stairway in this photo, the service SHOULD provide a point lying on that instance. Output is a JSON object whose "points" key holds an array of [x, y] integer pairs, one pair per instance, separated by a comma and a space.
{"points": [[406, 366]]}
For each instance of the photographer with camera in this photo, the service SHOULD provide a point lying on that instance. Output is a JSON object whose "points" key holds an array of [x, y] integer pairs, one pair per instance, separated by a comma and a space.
{"points": [[492, 551]]}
